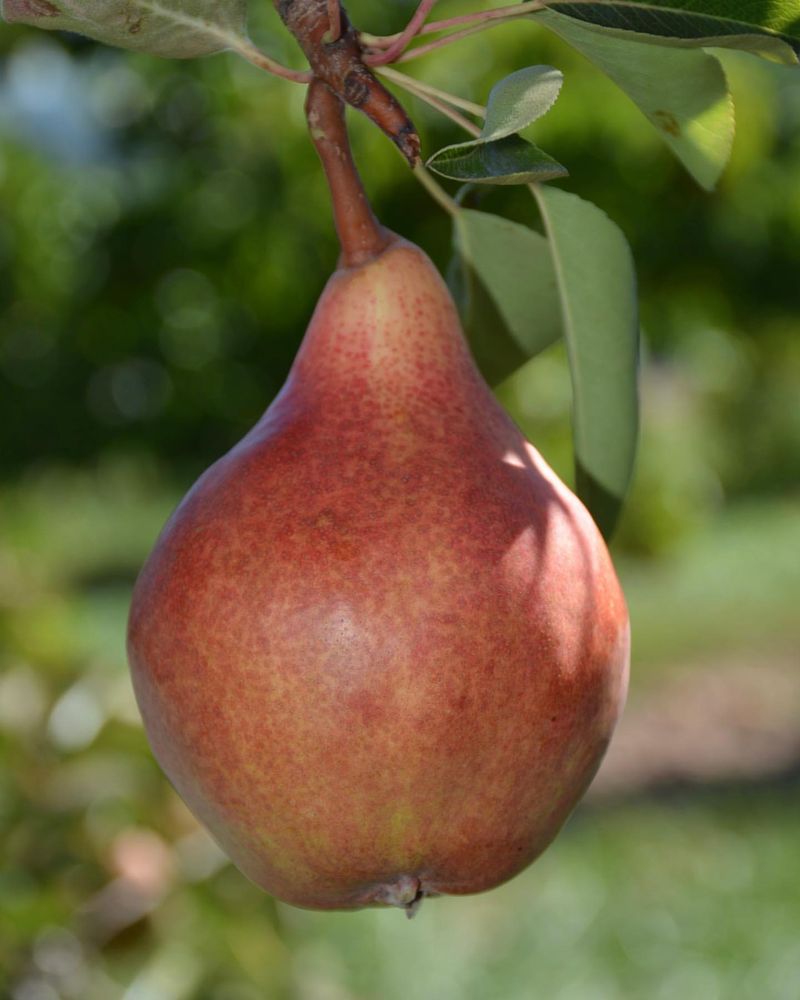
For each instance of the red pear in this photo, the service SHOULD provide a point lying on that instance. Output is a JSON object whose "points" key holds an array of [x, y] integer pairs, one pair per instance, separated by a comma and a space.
{"points": [[380, 648]]}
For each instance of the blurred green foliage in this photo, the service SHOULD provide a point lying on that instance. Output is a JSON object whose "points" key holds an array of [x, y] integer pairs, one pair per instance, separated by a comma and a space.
{"points": [[164, 233]]}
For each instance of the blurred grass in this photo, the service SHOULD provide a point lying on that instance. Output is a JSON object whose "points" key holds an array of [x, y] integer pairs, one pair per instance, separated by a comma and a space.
{"points": [[733, 587], [655, 900]]}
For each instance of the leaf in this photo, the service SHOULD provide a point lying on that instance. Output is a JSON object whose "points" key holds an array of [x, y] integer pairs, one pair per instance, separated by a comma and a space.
{"points": [[682, 91], [512, 160], [519, 100], [597, 285], [765, 26], [498, 155], [496, 352], [178, 29], [508, 291]]}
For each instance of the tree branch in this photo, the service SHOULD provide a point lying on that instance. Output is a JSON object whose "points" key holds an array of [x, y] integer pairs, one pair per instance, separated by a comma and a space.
{"points": [[340, 64]]}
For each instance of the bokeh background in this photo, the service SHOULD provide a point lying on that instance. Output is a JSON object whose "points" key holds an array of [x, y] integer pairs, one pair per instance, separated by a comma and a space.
{"points": [[164, 233]]}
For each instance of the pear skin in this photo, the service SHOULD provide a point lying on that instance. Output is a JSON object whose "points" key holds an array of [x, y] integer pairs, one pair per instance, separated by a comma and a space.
{"points": [[380, 648]]}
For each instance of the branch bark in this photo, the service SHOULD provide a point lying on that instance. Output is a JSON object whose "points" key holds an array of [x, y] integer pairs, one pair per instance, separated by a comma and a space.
{"points": [[339, 63]]}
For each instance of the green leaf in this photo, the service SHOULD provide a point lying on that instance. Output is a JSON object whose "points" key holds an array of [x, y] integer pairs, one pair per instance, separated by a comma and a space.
{"points": [[512, 160], [498, 155], [519, 100], [763, 26], [495, 351], [507, 287], [682, 91], [178, 29], [597, 286]]}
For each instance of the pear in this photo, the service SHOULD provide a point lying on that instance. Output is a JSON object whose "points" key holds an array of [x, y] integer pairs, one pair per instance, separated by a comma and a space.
{"points": [[380, 648]]}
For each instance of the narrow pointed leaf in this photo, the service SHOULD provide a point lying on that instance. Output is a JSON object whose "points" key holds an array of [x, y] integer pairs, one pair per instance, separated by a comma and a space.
{"points": [[512, 160], [178, 29], [495, 350], [597, 286], [682, 91], [769, 27], [519, 100], [509, 296]]}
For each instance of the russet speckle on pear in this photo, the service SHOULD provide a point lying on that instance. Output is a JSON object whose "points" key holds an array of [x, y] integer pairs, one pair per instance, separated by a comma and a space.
{"points": [[380, 648]]}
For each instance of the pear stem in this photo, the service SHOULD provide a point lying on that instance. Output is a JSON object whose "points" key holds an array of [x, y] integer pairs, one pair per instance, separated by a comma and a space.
{"points": [[360, 234]]}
